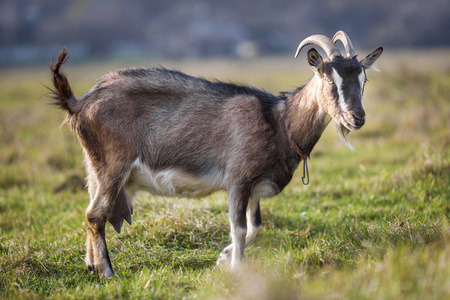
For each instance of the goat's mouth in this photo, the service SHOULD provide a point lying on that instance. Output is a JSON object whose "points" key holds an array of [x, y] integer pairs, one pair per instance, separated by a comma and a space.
{"points": [[346, 123], [351, 121]]}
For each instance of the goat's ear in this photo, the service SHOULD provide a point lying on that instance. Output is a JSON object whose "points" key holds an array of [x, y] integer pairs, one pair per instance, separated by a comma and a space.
{"points": [[368, 60], [315, 61]]}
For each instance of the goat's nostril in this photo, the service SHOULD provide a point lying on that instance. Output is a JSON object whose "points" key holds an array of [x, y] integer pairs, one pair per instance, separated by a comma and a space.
{"points": [[360, 119]]}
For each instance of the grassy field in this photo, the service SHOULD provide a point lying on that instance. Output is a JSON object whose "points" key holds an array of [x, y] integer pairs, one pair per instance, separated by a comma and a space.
{"points": [[372, 224]]}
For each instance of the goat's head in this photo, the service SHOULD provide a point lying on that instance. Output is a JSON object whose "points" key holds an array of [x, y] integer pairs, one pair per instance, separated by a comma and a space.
{"points": [[341, 80]]}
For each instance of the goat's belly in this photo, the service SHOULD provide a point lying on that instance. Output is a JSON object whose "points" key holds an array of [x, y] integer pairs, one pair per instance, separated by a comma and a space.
{"points": [[173, 182]]}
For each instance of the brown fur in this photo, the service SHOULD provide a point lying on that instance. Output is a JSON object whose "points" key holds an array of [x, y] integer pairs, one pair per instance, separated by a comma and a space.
{"points": [[63, 93]]}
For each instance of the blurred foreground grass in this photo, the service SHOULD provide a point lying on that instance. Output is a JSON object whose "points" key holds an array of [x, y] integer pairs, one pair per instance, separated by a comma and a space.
{"points": [[372, 224]]}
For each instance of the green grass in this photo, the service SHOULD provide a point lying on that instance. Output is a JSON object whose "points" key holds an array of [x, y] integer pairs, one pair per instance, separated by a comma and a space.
{"points": [[372, 224]]}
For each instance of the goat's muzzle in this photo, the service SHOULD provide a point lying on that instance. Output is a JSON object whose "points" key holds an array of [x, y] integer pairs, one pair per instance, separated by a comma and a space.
{"points": [[354, 120], [359, 119]]}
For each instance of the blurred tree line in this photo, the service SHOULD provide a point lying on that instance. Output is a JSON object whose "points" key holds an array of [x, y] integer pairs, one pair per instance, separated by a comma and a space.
{"points": [[31, 30]]}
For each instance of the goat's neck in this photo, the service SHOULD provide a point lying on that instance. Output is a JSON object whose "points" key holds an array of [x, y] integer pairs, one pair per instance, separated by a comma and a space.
{"points": [[306, 120]]}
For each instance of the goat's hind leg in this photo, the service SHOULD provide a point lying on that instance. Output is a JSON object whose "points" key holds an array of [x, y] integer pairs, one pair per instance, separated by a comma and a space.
{"points": [[97, 257], [92, 188], [99, 210]]}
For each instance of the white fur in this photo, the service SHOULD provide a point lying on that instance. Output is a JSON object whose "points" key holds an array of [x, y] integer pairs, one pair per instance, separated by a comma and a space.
{"points": [[172, 182], [343, 134], [238, 235], [374, 68], [338, 80], [252, 228], [265, 189], [361, 79], [341, 129], [224, 259], [323, 115]]}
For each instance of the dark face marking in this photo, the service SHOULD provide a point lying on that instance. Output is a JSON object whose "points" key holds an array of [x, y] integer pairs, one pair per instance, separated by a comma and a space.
{"points": [[348, 77]]}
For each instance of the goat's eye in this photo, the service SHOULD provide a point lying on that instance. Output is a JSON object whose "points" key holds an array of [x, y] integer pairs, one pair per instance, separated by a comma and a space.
{"points": [[366, 81], [330, 81]]}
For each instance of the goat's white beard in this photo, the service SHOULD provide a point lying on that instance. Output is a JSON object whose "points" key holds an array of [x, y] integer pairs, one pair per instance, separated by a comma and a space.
{"points": [[343, 134]]}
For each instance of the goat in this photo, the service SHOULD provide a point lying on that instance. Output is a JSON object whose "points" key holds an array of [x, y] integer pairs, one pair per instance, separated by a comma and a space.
{"points": [[172, 134]]}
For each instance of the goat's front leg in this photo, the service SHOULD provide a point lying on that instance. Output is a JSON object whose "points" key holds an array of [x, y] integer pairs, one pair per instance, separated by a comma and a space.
{"points": [[237, 206], [254, 225], [254, 222]]}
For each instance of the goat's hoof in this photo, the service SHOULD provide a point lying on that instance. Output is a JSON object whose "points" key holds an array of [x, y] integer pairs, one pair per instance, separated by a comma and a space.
{"points": [[102, 272], [89, 264], [224, 260], [110, 277], [108, 274], [91, 268]]}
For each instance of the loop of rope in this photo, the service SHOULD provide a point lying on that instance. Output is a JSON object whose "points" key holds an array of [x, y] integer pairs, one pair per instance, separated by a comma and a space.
{"points": [[304, 157], [305, 167]]}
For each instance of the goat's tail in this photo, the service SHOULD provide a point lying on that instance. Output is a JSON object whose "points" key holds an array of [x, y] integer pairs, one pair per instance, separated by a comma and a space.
{"points": [[62, 94]]}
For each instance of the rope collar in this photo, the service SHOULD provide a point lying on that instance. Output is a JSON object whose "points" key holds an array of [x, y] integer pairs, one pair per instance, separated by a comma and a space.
{"points": [[304, 157]]}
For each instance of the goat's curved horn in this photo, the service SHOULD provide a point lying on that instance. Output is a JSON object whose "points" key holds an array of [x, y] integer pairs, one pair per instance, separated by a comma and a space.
{"points": [[343, 37], [322, 41]]}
